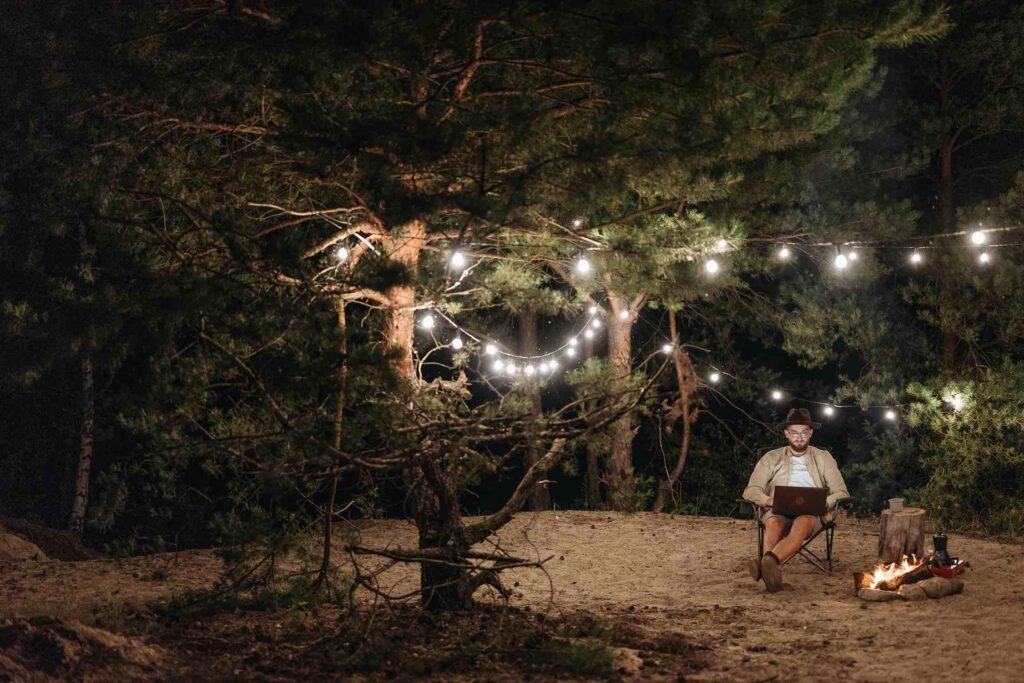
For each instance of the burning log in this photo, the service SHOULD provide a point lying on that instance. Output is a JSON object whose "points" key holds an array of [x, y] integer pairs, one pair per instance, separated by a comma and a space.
{"points": [[889, 577]]}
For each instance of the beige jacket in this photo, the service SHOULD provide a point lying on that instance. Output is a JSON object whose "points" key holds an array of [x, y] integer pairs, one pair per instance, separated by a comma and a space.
{"points": [[773, 470]]}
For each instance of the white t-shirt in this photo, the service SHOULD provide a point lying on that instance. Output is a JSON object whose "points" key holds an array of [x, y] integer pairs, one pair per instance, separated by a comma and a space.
{"points": [[798, 474]]}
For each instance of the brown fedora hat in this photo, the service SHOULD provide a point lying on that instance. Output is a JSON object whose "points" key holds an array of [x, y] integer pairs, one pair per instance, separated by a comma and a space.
{"points": [[799, 416]]}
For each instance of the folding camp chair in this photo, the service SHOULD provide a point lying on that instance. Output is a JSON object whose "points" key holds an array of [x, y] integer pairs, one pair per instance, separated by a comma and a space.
{"points": [[827, 527]]}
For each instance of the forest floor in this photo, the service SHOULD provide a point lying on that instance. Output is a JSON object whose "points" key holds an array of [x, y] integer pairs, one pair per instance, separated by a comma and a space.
{"points": [[634, 596]]}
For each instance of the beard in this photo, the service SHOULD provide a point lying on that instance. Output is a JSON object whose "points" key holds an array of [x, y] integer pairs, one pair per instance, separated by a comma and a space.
{"points": [[799, 450]]}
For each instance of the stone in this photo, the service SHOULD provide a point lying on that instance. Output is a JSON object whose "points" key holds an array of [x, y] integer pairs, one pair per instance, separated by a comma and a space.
{"points": [[939, 587], [912, 591], [875, 595]]}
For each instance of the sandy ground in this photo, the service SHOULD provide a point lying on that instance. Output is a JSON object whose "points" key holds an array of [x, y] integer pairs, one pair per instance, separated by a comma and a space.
{"points": [[663, 574]]}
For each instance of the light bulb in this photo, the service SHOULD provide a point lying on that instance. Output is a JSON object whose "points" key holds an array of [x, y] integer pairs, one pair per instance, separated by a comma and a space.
{"points": [[714, 377], [570, 352], [890, 415], [841, 261], [828, 410], [784, 253], [592, 310], [341, 254], [573, 341], [589, 334], [666, 348], [577, 222], [457, 343], [529, 369], [457, 261], [624, 315], [552, 365], [776, 395], [490, 349], [711, 266], [543, 366], [978, 237], [721, 245], [595, 323], [583, 266], [498, 365], [510, 369], [984, 257], [854, 256], [916, 257], [956, 401], [427, 322]]}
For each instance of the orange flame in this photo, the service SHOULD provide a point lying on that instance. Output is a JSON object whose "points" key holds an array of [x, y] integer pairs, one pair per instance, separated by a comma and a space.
{"points": [[888, 572]]}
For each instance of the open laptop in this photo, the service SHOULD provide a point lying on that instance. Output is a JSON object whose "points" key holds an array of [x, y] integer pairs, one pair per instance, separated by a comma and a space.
{"points": [[799, 500]]}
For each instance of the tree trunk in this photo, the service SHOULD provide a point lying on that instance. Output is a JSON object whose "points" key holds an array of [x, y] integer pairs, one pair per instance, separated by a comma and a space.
{"points": [[539, 499], [81, 502], [686, 380], [593, 479], [901, 533], [622, 494], [339, 415], [404, 246]]}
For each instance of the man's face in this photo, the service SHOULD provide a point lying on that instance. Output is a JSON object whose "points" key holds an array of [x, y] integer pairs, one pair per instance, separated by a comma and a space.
{"points": [[799, 436]]}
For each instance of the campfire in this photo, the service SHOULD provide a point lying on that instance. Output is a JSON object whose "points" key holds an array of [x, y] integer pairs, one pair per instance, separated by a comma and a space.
{"points": [[910, 579]]}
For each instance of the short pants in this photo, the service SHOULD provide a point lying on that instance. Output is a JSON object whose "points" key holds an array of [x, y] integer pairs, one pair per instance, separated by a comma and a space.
{"points": [[768, 514]]}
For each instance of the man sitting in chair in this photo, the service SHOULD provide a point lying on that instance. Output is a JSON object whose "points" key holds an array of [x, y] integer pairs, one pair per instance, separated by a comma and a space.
{"points": [[798, 464]]}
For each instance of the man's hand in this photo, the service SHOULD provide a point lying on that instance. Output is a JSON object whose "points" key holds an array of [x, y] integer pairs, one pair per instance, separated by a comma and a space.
{"points": [[770, 503]]}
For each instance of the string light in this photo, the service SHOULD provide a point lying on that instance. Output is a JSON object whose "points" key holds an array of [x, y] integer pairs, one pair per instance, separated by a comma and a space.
{"points": [[721, 245], [577, 222], [984, 257], [624, 314], [595, 323], [589, 334], [341, 254], [841, 261], [529, 370], [573, 341], [978, 237], [498, 365], [543, 366], [583, 266], [854, 255], [490, 350], [714, 377], [666, 348], [571, 352], [427, 322], [457, 260], [711, 266], [784, 254], [457, 343], [890, 415], [916, 257], [592, 310], [552, 365], [776, 395], [510, 369], [956, 401]]}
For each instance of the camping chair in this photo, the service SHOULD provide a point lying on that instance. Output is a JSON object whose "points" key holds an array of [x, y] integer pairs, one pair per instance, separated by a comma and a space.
{"points": [[827, 527]]}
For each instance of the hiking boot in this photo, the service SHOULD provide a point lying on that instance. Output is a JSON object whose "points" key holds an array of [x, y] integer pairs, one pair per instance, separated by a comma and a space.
{"points": [[771, 574], [754, 567]]}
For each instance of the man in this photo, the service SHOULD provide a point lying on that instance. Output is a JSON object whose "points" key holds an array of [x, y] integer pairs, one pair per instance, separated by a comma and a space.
{"points": [[798, 464]]}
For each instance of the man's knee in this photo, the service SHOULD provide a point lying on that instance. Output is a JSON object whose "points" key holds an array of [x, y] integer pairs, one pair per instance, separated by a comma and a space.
{"points": [[775, 525], [805, 525]]}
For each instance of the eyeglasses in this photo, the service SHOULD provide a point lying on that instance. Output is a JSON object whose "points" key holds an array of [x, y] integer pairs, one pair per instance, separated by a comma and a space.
{"points": [[802, 434]]}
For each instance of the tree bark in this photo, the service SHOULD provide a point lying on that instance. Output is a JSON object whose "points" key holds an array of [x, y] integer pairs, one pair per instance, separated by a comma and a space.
{"points": [[86, 434], [540, 498], [339, 415], [404, 244], [686, 380], [901, 533], [622, 494]]}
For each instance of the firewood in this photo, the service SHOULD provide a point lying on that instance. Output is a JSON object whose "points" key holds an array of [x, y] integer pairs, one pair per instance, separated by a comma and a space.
{"points": [[901, 533], [875, 595], [919, 574], [938, 587]]}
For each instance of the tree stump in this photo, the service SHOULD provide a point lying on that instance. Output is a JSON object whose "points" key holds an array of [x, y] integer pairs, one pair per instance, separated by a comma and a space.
{"points": [[901, 533]]}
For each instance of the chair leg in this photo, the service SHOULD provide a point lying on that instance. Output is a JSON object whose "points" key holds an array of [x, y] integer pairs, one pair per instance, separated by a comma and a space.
{"points": [[828, 546], [760, 541]]}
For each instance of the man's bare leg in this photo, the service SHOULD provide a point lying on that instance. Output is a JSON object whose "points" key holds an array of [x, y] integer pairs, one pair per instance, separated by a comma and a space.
{"points": [[785, 548], [774, 528]]}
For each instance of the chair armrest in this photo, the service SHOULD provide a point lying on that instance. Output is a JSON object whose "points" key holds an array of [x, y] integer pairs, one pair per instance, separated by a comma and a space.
{"points": [[755, 509], [845, 502]]}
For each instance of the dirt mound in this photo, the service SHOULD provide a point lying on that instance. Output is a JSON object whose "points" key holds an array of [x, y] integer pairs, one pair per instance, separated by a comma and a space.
{"points": [[14, 547], [47, 649], [57, 544]]}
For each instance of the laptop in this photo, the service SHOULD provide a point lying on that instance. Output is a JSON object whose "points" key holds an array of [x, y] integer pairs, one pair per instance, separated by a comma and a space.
{"points": [[799, 500]]}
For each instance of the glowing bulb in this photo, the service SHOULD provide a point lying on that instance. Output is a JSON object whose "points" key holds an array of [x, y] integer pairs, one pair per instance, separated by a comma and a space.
{"points": [[341, 254], [592, 310], [828, 410], [577, 222], [916, 257], [956, 401], [711, 266], [457, 343], [510, 369], [666, 348], [543, 366], [552, 365], [589, 334], [490, 349], [978, 237], [776, 395], [427, 322], [497, 365], [573, 341], [583, 266], [721, 245], [529, 369], [854, 256], [624, 315], [715, 377], [458, 260], [841, 261], [890, 415], [570, 352], [595, 323], [784, 254], [984, 257]]}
